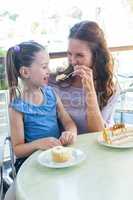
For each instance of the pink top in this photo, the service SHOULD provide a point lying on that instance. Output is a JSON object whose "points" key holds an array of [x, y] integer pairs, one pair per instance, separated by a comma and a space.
{"points": [[73, 99]]}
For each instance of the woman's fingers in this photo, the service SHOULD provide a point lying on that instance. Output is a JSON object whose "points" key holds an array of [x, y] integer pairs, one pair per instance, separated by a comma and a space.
{"points": [[83, 71]]}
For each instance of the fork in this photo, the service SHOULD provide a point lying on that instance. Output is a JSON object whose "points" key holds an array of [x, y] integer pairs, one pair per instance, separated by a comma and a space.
{"points": [[67, 76]]}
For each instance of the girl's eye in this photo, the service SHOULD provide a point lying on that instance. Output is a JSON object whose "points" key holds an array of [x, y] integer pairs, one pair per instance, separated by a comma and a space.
{"points": [[45, 67]]}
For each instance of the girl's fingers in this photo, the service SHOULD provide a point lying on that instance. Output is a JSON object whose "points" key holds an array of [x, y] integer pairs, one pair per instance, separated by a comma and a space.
{"points": [[55, 142], [65, 138]]}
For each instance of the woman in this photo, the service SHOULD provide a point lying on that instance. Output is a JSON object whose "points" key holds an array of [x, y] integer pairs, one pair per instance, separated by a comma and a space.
{"points": [[90, 94]]}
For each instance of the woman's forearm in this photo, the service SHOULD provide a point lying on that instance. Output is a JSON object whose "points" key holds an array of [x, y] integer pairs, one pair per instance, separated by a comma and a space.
{"points": [[95, 121]]}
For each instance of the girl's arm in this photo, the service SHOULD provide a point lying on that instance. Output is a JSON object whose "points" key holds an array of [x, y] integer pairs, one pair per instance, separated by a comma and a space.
{"points": [[70, 133], [21, 148]]}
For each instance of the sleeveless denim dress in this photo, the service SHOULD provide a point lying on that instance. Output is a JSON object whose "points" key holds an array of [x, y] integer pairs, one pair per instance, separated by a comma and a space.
{"points": [[40, 121]]}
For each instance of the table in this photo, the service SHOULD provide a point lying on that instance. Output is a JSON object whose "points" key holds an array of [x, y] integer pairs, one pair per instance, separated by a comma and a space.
{"points": [[106, 174]]}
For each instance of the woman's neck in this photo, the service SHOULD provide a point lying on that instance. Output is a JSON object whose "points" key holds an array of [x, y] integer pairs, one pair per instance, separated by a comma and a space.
{"points": [[77, 82]]}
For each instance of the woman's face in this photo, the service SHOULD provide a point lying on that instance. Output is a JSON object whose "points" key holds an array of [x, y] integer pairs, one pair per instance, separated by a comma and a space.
{"points": [[79, 53]]}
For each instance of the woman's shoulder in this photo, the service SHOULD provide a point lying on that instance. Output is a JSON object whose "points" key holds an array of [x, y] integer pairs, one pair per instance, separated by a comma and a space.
{"points": [[117, 88]]}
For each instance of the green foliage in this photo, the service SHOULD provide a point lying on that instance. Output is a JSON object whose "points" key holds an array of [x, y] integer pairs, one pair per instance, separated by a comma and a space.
{"points": [[3, 85], [2, 52], [3, 82], [11, 16], [131, 4]]}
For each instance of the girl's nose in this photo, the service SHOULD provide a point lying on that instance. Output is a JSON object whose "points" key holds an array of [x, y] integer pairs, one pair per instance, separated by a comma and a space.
{"points": [[47, 72]]}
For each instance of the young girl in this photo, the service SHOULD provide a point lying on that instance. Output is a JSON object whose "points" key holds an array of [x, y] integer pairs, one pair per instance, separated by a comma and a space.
{"points": [[34, 110]]}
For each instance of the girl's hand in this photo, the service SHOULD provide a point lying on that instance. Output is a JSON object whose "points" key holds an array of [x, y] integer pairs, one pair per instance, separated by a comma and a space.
{"points": [[67, 137], [47, 143]]}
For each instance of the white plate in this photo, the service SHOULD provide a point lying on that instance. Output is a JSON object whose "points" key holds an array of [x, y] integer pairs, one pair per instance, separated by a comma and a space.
{"points": [[45, 159], [124, 145]]}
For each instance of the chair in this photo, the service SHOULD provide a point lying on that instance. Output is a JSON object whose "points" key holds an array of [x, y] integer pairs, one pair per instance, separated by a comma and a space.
{"points": [[124, 109], [7, 168]]}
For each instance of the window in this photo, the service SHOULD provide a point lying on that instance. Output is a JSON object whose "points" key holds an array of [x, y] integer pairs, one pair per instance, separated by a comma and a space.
{"points": [[49, 22]]}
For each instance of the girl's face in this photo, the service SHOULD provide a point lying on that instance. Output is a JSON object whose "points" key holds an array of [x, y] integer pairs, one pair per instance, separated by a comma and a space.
{"points": [[39, 72], [79, 53]]}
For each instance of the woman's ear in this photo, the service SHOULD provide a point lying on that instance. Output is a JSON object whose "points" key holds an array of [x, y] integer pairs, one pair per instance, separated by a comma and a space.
{"points": [[24, 72]]}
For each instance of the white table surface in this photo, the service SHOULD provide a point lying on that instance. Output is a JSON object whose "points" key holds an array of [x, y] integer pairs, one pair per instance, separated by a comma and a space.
{"points": [[106, 174]]}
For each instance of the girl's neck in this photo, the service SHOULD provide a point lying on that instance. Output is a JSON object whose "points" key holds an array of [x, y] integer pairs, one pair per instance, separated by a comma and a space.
{"points": [[33, 95], [31, 90]]}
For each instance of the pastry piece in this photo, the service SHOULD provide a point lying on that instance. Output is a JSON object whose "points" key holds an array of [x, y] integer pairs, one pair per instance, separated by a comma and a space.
{"points": [[118, 128], [61, 154], [106, 136], [60, 77], [118, 134], [122, 138]]}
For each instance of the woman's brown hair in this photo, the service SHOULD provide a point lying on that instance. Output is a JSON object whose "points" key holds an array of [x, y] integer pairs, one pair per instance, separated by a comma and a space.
{"points": [[91, 33]]}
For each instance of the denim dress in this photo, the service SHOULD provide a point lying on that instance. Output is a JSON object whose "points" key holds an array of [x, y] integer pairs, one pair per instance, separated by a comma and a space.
{"points": [[40, 121]]}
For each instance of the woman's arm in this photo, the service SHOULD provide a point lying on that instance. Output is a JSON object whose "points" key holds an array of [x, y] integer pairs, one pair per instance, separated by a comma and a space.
{"points": [[95, 121], [94, 118], [21, 148], [70, 133]]}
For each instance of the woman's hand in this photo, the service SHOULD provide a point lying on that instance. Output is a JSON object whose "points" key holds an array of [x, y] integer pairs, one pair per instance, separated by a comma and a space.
{"points": [[47, 143], [67, 137], [86, 75]]}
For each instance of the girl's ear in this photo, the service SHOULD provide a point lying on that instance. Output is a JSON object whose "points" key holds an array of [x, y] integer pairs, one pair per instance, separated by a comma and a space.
{"points": [[24, 72]]}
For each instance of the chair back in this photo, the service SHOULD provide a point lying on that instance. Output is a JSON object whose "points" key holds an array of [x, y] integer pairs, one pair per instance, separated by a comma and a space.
{"points": [[7, 169]]}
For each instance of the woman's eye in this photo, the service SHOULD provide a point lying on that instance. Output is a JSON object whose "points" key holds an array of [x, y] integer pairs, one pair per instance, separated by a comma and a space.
{"points": [[69, 54], [79, 55]]}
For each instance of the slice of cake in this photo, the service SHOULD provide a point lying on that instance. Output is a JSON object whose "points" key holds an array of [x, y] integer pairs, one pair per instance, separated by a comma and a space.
{"points": [[61, 154], [106, 136], [117, 134], [60, 77], [118, 128]]}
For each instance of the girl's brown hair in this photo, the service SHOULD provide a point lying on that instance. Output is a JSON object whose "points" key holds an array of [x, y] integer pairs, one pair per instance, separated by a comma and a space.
{"points": [[18, 56]]}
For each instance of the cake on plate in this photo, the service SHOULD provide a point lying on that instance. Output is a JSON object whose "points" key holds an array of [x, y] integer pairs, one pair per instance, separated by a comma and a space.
{"points": [[61, 154], [118, 128], [117, 134]]}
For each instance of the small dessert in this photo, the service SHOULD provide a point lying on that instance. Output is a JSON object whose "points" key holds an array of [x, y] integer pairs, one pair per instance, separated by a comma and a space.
{"points": [[106, 136], [117, 134], [60, 77], [61, 154], [118, 129]]}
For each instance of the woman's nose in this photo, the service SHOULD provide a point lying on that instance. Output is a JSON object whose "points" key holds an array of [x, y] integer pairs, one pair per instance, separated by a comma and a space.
{"points": [[73, 60]]}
